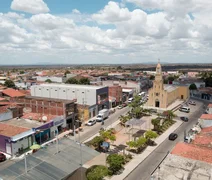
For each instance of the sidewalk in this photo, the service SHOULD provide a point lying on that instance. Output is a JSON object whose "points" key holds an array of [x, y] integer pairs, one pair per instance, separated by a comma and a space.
{"points": [[137, 159]]}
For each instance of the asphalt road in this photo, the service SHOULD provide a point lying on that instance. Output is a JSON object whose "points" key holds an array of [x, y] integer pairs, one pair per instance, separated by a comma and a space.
{"points": [[89, 131], [144, 170]]}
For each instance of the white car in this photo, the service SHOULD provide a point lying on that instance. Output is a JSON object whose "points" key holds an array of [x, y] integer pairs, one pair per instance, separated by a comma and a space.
{"points": [[91, 122], [120, 107]]}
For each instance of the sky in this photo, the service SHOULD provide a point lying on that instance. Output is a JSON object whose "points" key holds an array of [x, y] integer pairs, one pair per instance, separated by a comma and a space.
{"points": [[105, 32]]}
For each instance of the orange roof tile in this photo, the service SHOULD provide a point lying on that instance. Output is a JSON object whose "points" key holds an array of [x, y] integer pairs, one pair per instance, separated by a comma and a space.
{"points": [[193, 152], [206, 116], [13, 93], [10, 130], [210, 105]]}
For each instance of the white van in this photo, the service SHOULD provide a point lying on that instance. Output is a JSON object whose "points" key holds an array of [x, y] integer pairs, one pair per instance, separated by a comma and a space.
{"points": [[185, 109], [142, 94], [130, 100]]}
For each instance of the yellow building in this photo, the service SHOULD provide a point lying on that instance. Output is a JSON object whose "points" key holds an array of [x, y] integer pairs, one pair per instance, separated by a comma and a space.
{"points": [[161, 96]]}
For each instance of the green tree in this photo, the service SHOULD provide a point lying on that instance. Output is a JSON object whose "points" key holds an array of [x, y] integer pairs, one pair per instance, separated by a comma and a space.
{"points": [[150, 135], [96, 141], [170, 115], [67, 72], [21, 72], [96, 172], [84, 81], [137, 112], [107, 135], [132, 144], [171, 78], [9, 84], [72, 81], [193, 87], [152, 77], [48, 81], [156, 123], [115, 162], [124, 119]]}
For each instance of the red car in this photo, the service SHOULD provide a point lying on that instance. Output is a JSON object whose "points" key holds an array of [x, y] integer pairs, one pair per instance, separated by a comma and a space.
{"points": [[124, 105], [2, 157]]}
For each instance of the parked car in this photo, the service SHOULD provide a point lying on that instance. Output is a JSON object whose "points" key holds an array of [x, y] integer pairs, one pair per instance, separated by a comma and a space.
{"points": [[192, 103], [91, 122], [185, 119], [130, 100], [173, 136], [120, 107], [124, 104], [185, 109], [2, 157]]}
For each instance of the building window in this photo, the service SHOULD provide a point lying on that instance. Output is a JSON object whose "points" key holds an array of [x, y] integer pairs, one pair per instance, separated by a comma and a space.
{"points": [[157, 94]]}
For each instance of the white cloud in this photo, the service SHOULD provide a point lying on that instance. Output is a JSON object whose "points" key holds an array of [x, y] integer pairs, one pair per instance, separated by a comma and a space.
{"points": [[117, 34], [76, 11], [30, 6]]}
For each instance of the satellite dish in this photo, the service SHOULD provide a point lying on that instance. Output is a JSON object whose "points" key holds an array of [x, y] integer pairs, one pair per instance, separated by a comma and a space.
{"points": [[27, 110], [44, 118]]}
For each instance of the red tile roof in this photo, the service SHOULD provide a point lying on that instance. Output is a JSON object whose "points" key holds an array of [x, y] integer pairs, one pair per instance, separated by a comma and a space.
{"points": [[13, 93], [210, 105], [10, 130], [193, 152], [207, 129], [2, 99], [3, 109], [206, 116]]}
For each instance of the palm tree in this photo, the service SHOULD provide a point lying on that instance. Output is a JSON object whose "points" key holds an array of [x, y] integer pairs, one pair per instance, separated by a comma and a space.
{"points": [[156, 123]]}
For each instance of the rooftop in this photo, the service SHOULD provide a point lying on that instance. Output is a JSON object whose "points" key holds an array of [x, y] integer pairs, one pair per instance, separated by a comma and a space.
{"points": [[210, 105], [39, 116], [71, 86], [25, 123], [192, 151], [175, 168], [11, 130], [13, 93], [49, 99], [169, 88], [206, 116], [47, 164]]}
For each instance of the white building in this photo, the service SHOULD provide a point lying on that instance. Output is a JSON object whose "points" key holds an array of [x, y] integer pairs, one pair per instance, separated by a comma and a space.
{"points": [[84, 94], [52, 78], [205, 120]]}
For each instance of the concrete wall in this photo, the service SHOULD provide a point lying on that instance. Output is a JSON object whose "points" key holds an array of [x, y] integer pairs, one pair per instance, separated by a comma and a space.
{"points": [[52, 78], [183, 90], [24, 143], [205, 123], [83, 95], [5, 116]]}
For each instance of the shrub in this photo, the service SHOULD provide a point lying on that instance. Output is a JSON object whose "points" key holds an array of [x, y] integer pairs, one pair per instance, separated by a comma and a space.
{"points": [[115, 162], [96, 172]]}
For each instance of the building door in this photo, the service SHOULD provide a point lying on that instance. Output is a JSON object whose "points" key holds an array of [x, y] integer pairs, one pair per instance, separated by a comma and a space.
{"points": [[181, 96], [8, 148], [157, 103]]}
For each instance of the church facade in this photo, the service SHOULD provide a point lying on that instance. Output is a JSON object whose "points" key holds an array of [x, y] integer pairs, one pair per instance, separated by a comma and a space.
{"points": [[162, 95]]}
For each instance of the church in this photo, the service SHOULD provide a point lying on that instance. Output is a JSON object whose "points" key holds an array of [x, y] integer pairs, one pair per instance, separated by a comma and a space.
{"points": [[162, 95]]}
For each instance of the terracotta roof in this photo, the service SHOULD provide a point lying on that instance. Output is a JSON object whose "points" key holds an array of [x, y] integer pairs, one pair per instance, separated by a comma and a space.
{"points": [[10, 130], [3, 109], [207, 129], [192, 151], [206, 116], [2, 99], [210, 105], [13, 93], [38, 116]]}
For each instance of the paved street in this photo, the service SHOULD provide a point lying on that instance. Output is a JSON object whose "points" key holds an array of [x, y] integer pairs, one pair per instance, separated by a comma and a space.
{"points": [[89, 131], [143, 171]]}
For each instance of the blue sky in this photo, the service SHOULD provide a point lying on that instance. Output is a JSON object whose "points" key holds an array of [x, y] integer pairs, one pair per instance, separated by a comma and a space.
{"points": [[103, 31]]}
